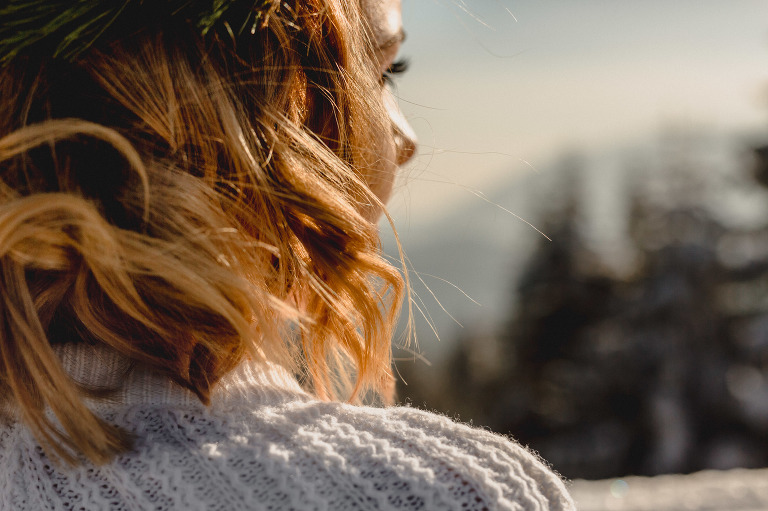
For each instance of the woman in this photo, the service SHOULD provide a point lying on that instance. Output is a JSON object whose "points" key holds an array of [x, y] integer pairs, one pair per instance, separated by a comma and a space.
{"points": [[191, 278]]}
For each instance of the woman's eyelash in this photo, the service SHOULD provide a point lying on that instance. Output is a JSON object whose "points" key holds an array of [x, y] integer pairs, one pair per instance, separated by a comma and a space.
{"points": [[397, 68]]}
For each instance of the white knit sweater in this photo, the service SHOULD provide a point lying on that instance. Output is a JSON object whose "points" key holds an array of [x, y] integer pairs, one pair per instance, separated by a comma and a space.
{"points": [[264, 444]]}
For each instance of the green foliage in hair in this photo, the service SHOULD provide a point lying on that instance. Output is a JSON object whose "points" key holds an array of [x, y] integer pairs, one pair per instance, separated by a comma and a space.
{"points": [[66, 28]]}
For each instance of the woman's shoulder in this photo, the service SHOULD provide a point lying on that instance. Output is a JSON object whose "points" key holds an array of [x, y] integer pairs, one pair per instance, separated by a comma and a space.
{"points": [[454, 465], [289, 454], [315, 454]]}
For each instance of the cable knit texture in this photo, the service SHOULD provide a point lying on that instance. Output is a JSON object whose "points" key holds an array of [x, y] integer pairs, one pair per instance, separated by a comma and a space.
{"points": [[264, 444]]}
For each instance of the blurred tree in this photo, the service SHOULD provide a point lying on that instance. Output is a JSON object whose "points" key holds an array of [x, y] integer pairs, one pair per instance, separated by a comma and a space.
{"points": [[662, 369]]}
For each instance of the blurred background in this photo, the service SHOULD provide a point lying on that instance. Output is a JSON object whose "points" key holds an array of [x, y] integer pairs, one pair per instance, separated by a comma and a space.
{"points": [[586, 226]]}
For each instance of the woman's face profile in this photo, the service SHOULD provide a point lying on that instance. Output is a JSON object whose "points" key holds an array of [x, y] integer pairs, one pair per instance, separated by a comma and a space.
{"points": [[386, 23]]}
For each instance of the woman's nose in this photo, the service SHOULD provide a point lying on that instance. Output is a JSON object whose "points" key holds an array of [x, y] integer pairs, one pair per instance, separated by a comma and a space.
{"points": [[405, 137], [405, 141]]}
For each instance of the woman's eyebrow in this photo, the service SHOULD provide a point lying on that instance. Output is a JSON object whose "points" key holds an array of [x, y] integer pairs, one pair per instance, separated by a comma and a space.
{"points": [[396, 39]]}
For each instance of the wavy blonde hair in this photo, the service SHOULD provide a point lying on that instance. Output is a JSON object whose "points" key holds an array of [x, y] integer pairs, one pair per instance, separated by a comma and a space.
{"points": [[189, 202]]}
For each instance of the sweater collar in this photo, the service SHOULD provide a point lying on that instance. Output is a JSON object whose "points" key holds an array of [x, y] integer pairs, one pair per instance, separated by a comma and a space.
{"points": [[100, 367]]}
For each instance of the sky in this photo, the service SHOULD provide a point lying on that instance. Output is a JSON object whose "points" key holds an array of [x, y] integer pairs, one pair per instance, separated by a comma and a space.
{"points": [[499, 88]]}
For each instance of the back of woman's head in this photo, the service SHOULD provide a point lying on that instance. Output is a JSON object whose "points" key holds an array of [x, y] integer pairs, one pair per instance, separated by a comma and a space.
{"points": [[191, 199]]}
